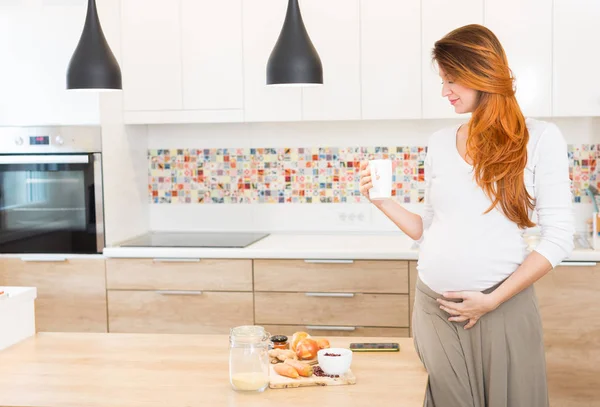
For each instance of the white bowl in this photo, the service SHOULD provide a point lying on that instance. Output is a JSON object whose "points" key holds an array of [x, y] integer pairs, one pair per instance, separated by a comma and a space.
{"points": [[335, 365]]}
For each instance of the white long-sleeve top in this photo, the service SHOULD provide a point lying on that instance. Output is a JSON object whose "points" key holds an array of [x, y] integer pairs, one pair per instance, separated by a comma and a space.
{"points": [[464, 249]]}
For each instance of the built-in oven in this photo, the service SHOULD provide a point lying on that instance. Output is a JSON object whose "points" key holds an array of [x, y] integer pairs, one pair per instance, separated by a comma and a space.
{"points": [[51, 190]]}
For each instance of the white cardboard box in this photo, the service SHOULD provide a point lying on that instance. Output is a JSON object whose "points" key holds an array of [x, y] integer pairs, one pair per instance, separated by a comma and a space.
{"points": [[17, 315]]}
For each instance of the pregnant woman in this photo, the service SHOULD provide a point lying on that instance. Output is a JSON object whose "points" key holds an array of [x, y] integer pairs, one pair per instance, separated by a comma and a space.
{"points": [[477, 326]]}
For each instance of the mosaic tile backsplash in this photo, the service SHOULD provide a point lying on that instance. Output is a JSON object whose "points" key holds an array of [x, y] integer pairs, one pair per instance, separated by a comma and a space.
{"points": [[583, 170], [277, 175], [306, 175]]}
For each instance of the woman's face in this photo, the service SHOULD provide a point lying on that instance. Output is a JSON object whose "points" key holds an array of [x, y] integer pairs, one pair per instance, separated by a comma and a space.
{"points": [[462, 98]]}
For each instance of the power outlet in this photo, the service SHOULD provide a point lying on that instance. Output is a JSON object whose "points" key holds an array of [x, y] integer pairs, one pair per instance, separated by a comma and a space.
{"points": [[354, 216]]}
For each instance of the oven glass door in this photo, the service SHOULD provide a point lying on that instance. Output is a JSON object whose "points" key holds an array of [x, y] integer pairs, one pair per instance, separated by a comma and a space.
{"points": [[48, 204]]}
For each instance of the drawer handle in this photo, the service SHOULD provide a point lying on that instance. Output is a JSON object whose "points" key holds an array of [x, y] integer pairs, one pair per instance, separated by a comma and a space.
{"points": [[44, 258], [337, 295], [329, 261], [164, 292], [175, 260], [578, 263], [331, 328]]}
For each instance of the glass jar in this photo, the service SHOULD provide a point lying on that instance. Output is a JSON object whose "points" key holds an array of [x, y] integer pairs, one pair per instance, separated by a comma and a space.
{"points": [[249, 358], [280, 342]]}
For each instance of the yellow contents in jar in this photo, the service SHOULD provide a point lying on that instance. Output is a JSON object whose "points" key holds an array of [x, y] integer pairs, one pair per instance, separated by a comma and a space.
{"points": [[250, 381]]}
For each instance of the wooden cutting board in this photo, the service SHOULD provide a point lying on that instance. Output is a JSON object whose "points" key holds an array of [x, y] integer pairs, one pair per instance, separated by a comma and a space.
{"points": [[276, 381]]}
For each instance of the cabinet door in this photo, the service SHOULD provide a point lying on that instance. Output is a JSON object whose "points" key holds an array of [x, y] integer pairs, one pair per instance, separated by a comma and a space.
{"points": [[262, 21], [151, 43], [212, 54], [576, 41], [71, 293], [519, 33], [37, 40], [334, 28], [182, 274], [413, 275], [439, 18], [332, 309], [363, 276], [326, 331], [390, 59], [181, 312], [568, 301]]}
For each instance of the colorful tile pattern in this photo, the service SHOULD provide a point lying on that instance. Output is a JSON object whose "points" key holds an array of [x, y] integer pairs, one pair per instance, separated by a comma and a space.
{"points": [[583, 170], [307, 175], [277, 175]]}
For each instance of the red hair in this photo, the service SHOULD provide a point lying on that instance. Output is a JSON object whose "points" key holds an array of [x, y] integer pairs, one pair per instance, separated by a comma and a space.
{"points": [[497, 142]]}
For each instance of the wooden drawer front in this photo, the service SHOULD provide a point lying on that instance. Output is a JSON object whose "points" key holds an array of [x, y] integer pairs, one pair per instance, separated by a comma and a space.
{"points": [[413, 276], [178, 312], [567, 298], [385, 310], [338, 276], [324, 331], [71, 293], [188, 274], [569, 291]]}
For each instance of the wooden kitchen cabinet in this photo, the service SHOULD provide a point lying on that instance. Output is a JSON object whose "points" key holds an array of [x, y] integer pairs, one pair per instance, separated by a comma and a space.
{"points": [[179, 295], [179, 274], [335, 297], [182, 312], [71, 291], [331, 309], [568, 301], [325, 331], [519, 33], [343, 276], [576, 31], [439, 17], [390, 35], [412, 280]]}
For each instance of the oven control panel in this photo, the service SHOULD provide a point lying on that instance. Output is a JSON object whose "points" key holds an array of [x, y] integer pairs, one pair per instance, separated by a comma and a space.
{"points": [[68, 139], [40, 140]]}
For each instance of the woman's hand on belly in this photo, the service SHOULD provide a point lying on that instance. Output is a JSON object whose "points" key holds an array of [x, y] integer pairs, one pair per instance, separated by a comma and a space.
{"points": [[474, 305]]}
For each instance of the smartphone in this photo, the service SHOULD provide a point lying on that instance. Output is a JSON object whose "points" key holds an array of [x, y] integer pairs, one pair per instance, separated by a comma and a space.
{"points": [[374, 347]]}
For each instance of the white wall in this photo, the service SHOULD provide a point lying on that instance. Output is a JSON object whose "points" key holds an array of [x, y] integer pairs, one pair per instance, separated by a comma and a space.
{"points": [[309, 217], [124, 152]]}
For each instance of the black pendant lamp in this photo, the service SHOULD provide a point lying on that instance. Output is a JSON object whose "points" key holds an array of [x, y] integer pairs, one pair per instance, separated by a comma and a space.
{"points": [[294, 59], [93, 65]]}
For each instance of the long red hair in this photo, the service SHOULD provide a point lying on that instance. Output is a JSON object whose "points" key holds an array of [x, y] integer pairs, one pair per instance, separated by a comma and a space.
{"points": [[497, 142]]}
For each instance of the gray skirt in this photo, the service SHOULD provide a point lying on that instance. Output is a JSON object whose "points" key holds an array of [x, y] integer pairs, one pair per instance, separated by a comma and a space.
{"points": [[500, 362]]}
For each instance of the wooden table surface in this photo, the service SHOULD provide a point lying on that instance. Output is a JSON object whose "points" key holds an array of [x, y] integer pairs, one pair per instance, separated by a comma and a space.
{"points": [[123, 370]]}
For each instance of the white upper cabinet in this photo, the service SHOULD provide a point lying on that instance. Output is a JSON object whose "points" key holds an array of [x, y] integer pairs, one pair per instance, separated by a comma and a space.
{"points": [[390, 59], [151, 43], [182, 61], [576, 58], [212, 54], [439, 18], [334, 28], [37, 40], [262, 24], [525, 30]]}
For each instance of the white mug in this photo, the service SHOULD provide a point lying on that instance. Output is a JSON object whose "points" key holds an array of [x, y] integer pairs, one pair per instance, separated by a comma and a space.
{"points": [[381, 178]]}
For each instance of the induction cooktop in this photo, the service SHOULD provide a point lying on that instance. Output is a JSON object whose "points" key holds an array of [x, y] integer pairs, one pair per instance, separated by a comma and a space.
{"points": [[195, 239]]}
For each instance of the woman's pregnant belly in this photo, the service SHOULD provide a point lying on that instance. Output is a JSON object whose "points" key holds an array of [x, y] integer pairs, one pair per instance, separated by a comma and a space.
{"points": [[463, 257]]}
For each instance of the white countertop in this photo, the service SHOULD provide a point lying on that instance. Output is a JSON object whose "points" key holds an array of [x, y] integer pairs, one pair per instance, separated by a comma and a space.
{"points": [[317, 246]]}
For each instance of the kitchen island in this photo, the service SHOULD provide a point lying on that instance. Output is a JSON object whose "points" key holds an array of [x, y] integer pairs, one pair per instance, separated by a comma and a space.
{"points": [[126, 370]]}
